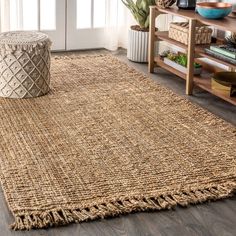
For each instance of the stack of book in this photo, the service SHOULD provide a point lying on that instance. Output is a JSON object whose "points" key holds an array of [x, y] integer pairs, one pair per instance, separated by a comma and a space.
{"points": [[223, 52]]}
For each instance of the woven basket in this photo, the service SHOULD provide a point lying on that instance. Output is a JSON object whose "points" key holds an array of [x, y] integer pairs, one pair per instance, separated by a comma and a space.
{"points": [[179, 32]]}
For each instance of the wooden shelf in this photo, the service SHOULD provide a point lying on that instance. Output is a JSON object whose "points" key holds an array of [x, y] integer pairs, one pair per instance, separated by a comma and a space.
{"points": [[198, 51], [163, 35], [161, 63], [205, 84], [227, 23], [202, 53], [203, 81]]}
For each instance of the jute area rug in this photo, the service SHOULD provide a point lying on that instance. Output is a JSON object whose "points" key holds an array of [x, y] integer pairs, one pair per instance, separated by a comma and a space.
{"points": [[107, 141]]}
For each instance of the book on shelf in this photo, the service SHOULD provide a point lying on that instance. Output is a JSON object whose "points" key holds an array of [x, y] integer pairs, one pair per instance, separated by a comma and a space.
{"points": [[224, 50], [220, 56]]}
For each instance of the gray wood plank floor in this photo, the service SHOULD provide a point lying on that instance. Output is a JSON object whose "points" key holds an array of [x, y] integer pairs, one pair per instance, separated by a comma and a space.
{"points": [[209, 219]]}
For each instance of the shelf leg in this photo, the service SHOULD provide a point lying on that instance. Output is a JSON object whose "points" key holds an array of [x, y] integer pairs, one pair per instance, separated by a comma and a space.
{"points": [[151, 46], [190, 66]]}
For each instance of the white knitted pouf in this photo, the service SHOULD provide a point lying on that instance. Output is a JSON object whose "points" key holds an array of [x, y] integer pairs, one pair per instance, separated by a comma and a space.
{"points": [[24, 64]]}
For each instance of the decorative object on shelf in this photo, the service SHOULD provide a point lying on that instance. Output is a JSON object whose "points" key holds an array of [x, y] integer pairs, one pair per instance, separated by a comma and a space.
{"points": [[186, 4], [224, 50], [214, 10], [25, 60], [225, 82], [138, 37], [231, 40], [165, 3], [220, 56], [220, 88], [179, 32], [179, 61]]}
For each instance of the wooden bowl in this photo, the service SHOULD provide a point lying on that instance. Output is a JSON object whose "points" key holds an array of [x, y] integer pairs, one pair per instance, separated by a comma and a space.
{"points": [[225, 78]]}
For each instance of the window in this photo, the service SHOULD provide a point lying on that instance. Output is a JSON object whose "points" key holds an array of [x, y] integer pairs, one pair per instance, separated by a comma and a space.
{"points": [[91, 14], [32, 14]]}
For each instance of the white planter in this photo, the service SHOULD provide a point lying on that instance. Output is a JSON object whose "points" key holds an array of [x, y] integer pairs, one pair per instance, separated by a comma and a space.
{"points": [[138, 46], [197, 71]]}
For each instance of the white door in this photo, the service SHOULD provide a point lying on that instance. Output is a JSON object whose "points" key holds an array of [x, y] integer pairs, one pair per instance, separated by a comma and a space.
{"points": [[45, 15], [86, 20], [53, 22], [71, 24]]}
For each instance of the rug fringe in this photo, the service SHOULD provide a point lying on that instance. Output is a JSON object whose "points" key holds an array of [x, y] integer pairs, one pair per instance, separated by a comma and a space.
{"points": [[59, 217], [79, 56]]}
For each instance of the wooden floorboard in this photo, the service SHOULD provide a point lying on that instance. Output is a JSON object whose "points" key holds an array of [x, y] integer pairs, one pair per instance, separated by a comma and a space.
{"points": [[210, 219]]}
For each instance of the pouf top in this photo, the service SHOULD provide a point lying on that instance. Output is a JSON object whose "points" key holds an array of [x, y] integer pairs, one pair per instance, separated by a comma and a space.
{"points": [[22, 40], [22, 37]]}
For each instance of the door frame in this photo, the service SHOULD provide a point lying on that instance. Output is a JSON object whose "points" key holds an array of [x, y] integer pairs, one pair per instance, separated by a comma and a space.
{"points": [[60, 33]]}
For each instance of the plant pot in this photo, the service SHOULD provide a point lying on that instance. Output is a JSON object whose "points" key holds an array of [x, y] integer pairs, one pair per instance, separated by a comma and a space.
{"points": [[138, 46], [197, 71]]}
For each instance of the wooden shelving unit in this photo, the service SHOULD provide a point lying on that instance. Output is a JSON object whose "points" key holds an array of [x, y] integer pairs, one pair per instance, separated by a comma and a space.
{"points": [[203, 81], [199, 49], [160, 63], [193, 51]]}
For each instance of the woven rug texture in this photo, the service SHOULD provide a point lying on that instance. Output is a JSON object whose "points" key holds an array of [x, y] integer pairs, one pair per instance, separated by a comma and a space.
{"points": [[106, 141]]}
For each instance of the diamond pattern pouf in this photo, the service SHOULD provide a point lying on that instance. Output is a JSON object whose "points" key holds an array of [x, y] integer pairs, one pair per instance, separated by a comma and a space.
{"points": [[24, 64]]}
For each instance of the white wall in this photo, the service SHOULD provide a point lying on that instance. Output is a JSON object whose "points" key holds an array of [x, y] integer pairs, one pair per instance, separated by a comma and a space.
{"points": [[231, 1]]}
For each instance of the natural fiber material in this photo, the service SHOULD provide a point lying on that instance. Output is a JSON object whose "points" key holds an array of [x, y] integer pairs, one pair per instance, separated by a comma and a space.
{"points": [[106, 141], [24, 64], [179, 32]]}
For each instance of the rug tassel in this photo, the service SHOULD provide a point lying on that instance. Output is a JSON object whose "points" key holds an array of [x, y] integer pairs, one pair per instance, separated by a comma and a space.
{"points": [[47, 219], [26, 221], [68, 216], [57, 218], [79, 216], [18, 224], [38, 221]]}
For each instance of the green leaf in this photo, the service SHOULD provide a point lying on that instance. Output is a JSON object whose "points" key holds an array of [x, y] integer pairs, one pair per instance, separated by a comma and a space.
{"points": [[139, 3], [140, 10], [147, 22]]}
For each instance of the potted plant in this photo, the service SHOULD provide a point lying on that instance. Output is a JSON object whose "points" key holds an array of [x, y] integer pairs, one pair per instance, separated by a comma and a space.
{"points": [[179, 61], [139, 34]]}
